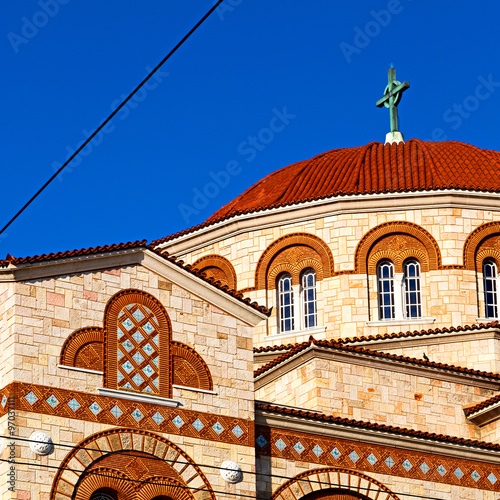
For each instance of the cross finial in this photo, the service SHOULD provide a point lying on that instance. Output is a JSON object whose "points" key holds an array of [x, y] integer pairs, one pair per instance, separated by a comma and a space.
{"points": [[392, 96]]}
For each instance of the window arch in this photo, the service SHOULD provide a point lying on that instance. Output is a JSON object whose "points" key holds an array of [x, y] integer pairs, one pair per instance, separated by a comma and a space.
{"points": [[286, 313], [412, 297], [104, 494], [490, 283], [385, 288], [308, 294], [137, 344]]}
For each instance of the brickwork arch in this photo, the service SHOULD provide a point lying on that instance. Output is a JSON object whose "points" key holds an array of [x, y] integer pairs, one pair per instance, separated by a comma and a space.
{"points": [[330, 481], [88, 348], [137, 464], [305, 250], [474, 242], [84, 349], [407, 232], [219, 268]]}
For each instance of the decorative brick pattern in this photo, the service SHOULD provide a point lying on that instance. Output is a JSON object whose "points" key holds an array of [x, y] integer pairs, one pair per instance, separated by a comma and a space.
{"points": [[315, 249], [83, 349], [333, 484], [392, 461], [119, 412], [154, 466], [474, 240], [219, 268], [115, 328], [372, 237]]}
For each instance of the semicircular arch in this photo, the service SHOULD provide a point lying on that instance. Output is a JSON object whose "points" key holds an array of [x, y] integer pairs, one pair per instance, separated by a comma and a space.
{"points": [[141, 450], [317, 245], [474, 240], [221, 263], [375, 234], [331, 478]]}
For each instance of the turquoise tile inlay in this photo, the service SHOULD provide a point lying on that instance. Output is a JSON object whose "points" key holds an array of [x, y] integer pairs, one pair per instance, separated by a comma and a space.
{"points": [[475, 475], [261, 441], [317, 450], [424, 468], [137, 415], [389, 462], [95, 408], [458, 473], [31, 398], [407, 465], [198, 424], [354, 456], [116, 411], [217, 427], [237, 431], [157, 417], [336, 453], [492, 478], [74, 404], [178, 422], [280, 444], [442, 471], [299, 447], [138, 315], [371, 458]]}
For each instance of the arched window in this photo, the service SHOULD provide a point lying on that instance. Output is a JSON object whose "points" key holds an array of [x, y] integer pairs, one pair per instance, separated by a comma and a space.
{"points": [[308, 292], [285, 303], [412, 298], [137, 344], [490, 279], [385, 287]]}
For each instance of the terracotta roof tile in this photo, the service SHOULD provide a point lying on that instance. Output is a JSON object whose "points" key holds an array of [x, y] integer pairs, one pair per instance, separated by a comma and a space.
{"points": [[321, 417], [332, 344], [480, 406], [9, 260], [375, 168], [388, 336]]}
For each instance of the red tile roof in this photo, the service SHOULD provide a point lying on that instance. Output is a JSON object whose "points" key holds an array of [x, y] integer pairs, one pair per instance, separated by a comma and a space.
{"points": [[388, 336], [480, 406], [375, 168], [333, 344], [9, 260], [317, 416]]}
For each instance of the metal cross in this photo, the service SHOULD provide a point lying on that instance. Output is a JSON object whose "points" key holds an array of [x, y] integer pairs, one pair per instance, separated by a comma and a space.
{"points": [[392, 96]]}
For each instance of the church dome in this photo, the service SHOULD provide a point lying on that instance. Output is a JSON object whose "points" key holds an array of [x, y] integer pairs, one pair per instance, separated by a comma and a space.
{"points": [[375, 168]]}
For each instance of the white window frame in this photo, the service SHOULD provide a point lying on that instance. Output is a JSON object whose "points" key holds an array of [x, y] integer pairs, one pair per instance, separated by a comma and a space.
{"points": [[412, 281], [386, 291], [309, 305], [396, 286], [493, 281], [285, 289]]}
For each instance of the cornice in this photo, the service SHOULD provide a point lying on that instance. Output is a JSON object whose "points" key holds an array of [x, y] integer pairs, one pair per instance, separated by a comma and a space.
{"points": [[302, 212], [377, 437], [131, 257], [373, 361]]}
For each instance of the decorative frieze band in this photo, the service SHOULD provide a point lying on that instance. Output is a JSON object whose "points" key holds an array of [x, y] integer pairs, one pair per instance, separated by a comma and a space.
{"points": [[124, 413], [379, 459]]}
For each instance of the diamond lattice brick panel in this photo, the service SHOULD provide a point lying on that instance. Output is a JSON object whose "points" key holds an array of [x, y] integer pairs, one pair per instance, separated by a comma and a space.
{"points": [[137, 350]]}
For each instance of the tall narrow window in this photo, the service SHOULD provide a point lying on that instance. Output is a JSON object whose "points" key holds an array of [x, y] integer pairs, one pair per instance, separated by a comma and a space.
{"points": [[490, 288], [385, 287], [137, 349], [285, 303], [309, 297], [412, 298]]}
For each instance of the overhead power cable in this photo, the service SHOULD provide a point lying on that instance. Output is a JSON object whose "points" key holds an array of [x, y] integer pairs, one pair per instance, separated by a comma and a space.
{"points": [[109, 118], [153, 457]]}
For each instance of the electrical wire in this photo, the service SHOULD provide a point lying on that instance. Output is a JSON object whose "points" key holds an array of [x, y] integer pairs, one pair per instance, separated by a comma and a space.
{"points": [[154, 457], [105, 122]]}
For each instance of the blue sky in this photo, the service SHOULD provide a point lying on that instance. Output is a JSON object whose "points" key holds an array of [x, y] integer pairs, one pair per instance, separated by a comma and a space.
{"points": [[260, 85]]}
